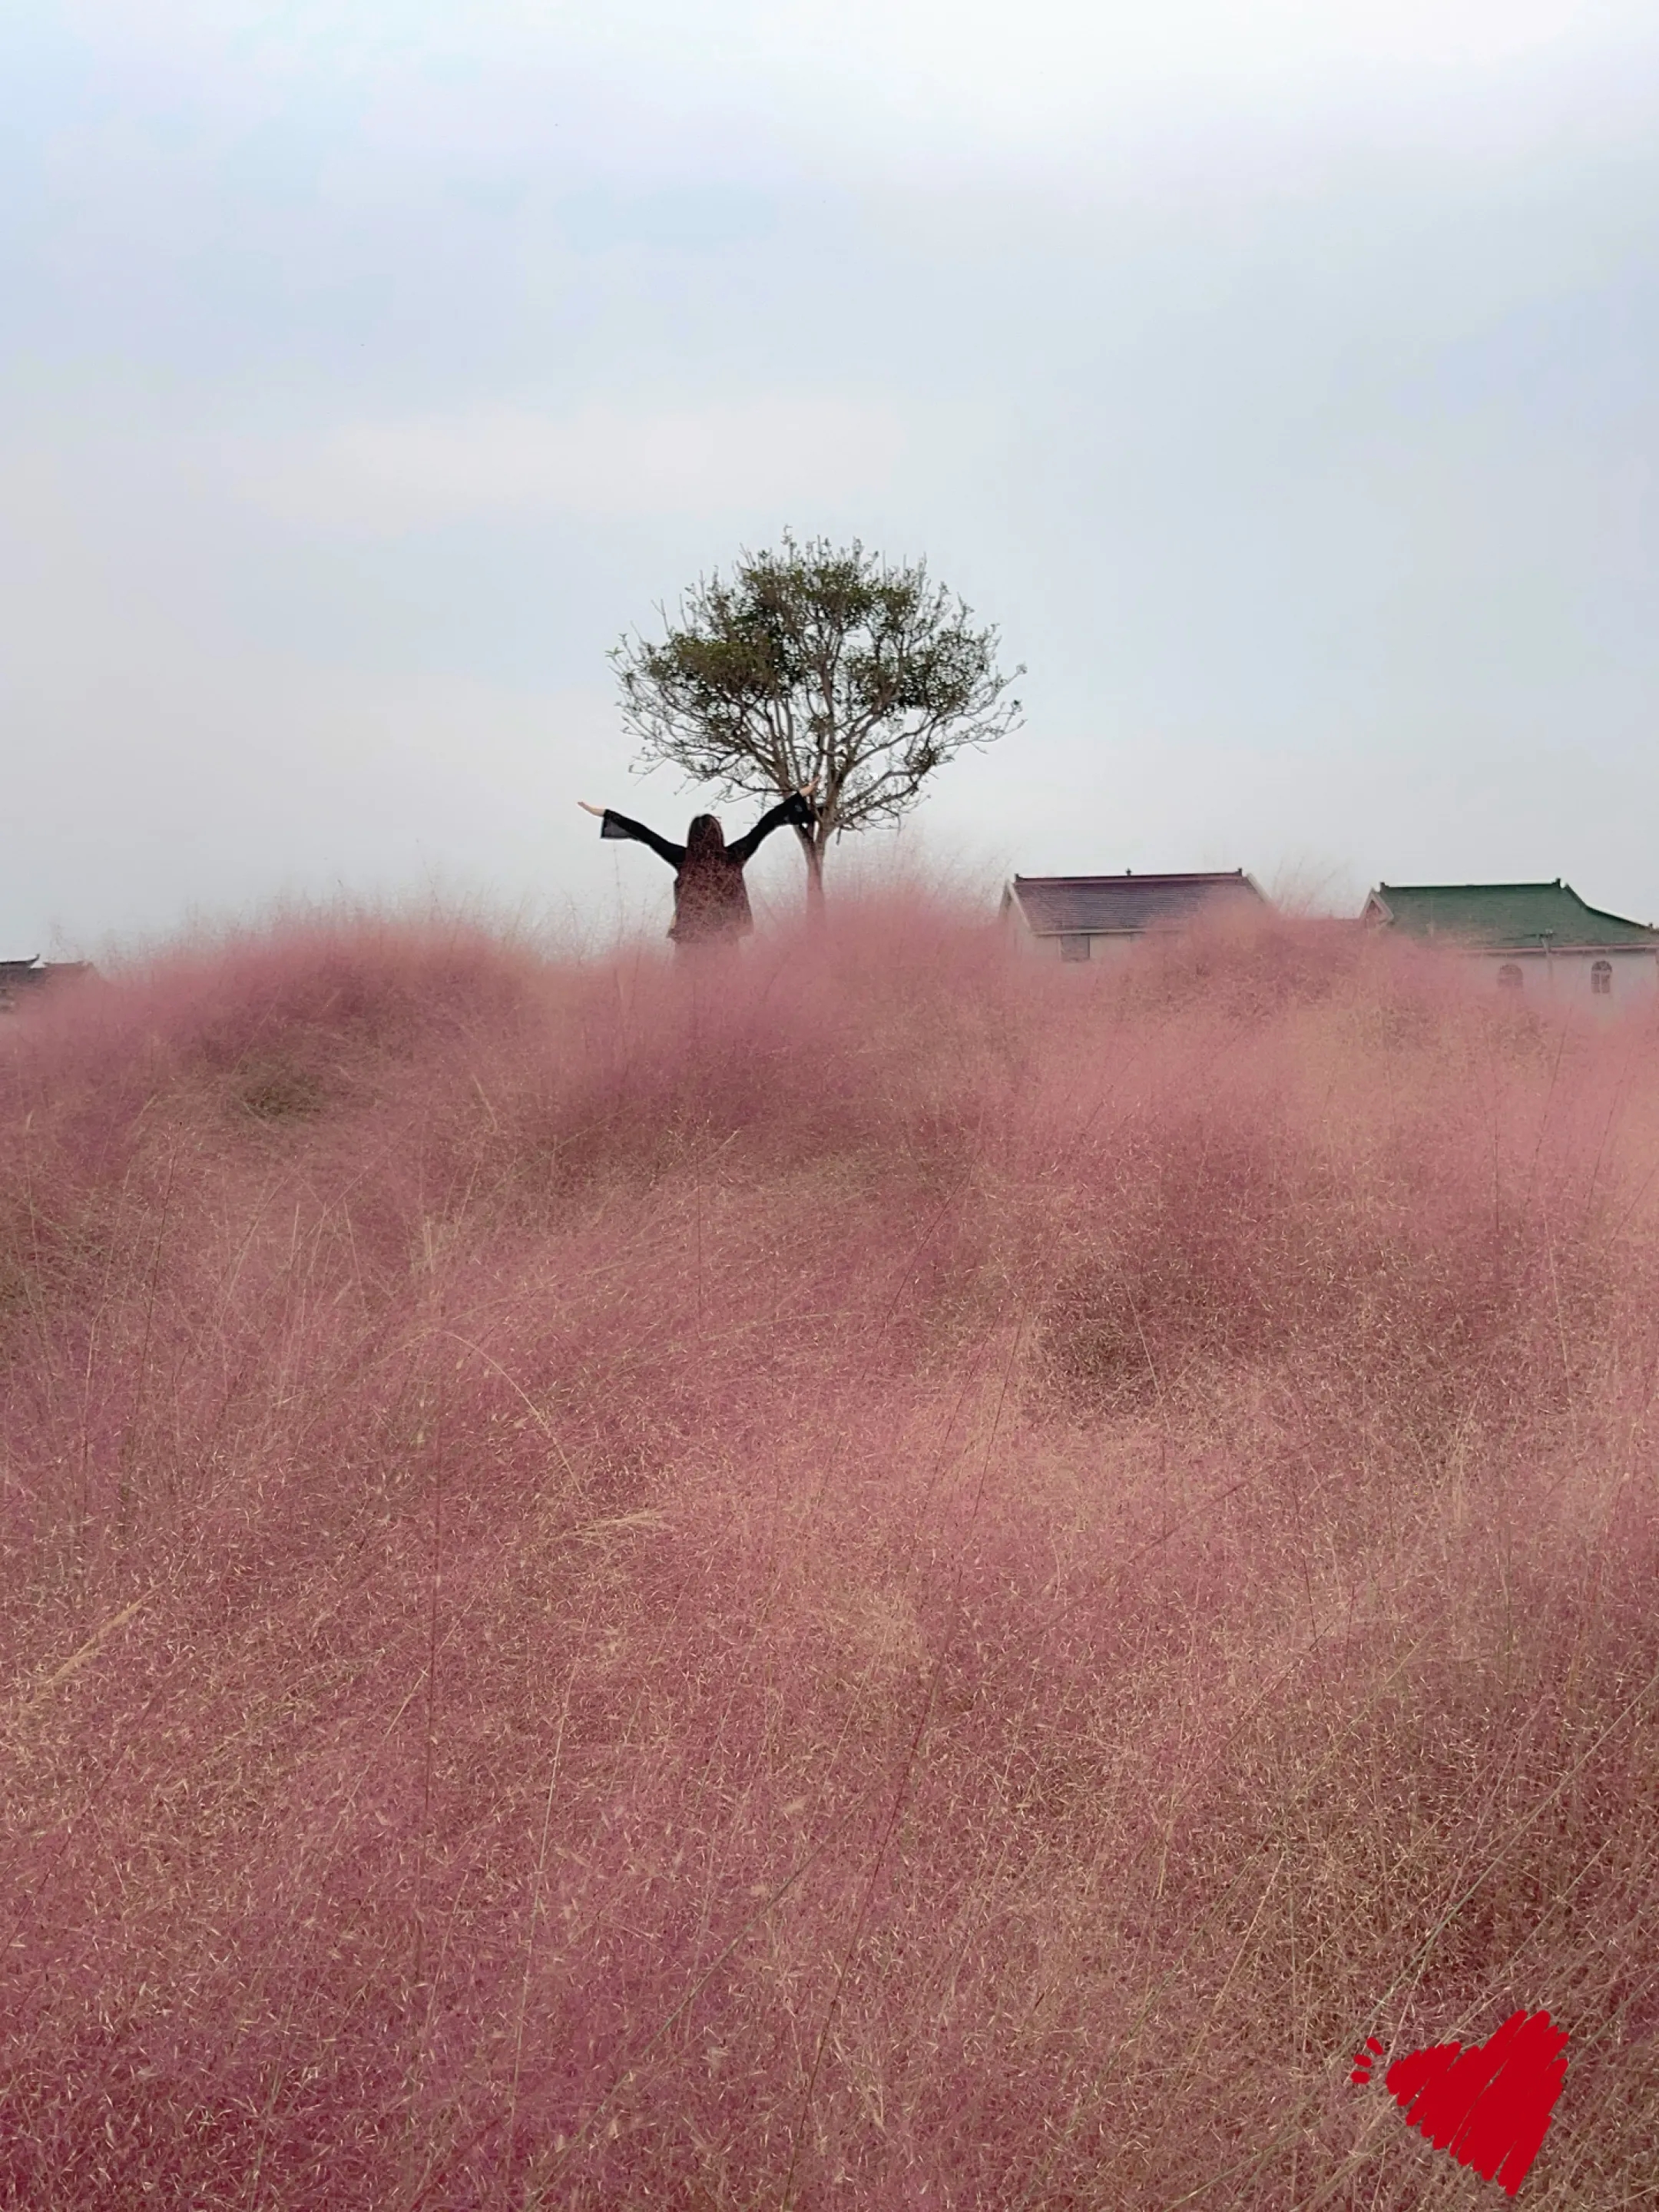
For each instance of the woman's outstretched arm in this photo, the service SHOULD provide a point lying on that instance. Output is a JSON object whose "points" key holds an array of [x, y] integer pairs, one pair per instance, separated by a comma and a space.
{"points": [[798, 810], [619, 825]]}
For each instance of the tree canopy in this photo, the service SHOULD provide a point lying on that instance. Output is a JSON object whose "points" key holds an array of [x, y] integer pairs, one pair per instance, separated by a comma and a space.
{"points": [[816, 665]]}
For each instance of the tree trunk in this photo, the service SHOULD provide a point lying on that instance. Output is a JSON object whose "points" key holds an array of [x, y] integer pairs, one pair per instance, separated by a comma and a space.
{"points": [[814, 858]]}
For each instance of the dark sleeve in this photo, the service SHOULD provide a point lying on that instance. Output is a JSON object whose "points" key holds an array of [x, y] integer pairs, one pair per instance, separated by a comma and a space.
{"points": [[797, 810], [619, 825]]}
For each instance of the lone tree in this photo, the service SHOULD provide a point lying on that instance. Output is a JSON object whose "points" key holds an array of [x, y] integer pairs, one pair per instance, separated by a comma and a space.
{"points": [[817, 666]]}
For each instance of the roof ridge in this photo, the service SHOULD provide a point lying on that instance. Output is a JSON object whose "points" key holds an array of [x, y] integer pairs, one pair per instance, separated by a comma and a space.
{"points": [[1146, 875], [1538, 883]]}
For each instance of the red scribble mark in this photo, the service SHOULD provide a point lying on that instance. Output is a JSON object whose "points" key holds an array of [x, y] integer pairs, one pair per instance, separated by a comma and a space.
{"points": [[1362, 2060], [1489, 2106]]}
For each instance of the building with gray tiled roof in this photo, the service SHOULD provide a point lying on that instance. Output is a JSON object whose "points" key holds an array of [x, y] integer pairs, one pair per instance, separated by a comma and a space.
{"points": [[1092, 917]]}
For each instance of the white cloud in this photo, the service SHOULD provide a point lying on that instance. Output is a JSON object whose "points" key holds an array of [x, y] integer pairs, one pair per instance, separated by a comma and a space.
{"points": [[937, 72], [415, 471], [992, 61]]}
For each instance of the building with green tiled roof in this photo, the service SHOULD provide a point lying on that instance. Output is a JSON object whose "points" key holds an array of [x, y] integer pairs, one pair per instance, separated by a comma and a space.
{"points": [[1537, 938]]}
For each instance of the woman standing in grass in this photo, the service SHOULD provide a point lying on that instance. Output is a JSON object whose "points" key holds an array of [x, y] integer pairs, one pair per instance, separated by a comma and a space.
{"points": [[711, 905]]}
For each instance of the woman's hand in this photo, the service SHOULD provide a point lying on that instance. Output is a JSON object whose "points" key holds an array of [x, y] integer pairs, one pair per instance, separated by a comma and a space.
{"points": [[587, 809]]}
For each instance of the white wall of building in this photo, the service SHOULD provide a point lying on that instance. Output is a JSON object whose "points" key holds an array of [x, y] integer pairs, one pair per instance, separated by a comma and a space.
{"points": [[1564, 979], [1560, 980], [1109, 948]]}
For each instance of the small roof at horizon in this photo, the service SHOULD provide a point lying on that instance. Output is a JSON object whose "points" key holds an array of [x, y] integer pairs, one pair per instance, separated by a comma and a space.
{"points": [[1125, 905], [37, 970], [1514, 917]]}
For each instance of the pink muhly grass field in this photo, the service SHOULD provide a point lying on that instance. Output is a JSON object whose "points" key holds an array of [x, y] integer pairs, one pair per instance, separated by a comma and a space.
{"points": [[879, 1575]]}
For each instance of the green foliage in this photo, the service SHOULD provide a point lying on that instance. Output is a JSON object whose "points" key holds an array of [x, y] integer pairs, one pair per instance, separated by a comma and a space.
{"points": [[815, 661]]}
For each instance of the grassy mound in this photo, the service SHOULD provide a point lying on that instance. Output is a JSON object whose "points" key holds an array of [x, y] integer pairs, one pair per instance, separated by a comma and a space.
{"points": [[877, 1576]]}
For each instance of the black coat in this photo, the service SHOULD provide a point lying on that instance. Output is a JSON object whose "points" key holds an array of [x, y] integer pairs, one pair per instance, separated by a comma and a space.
{"points": [[710, 901]]}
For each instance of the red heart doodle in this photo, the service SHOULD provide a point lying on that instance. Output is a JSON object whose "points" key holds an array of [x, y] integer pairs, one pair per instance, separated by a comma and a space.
{"points": [[1489, 2106]]}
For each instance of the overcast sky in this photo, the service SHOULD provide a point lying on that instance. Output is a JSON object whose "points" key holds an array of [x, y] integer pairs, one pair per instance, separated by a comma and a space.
{"points": [[1280, 379]]}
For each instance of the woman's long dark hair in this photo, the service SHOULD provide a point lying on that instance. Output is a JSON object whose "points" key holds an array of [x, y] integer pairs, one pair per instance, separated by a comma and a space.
{"points": [[704, 836]]}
